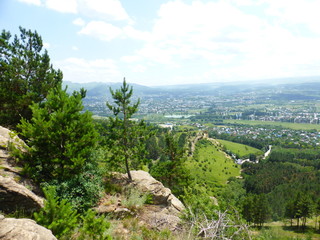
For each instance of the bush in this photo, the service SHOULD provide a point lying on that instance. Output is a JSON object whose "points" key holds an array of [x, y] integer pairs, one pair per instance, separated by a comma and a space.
{"points": [[93, 227], [57, 215], [62, 219], [82, 190]]}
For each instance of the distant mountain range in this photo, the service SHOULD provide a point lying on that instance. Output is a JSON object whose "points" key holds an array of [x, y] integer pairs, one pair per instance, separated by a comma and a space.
{"points": [[298, 87]]}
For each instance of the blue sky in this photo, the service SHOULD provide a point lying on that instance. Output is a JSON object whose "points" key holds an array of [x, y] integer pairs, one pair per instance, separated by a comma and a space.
{"points": [[158, 42]]}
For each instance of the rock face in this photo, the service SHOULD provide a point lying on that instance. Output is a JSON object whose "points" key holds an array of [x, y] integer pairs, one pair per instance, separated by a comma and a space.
{"points": [[13, 191], [166, 208], [23, 229], [14, 196], [7, 136]]}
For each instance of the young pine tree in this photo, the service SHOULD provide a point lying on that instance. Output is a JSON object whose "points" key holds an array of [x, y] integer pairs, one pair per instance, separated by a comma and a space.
{"points": [[60, 137], [127, 138]]}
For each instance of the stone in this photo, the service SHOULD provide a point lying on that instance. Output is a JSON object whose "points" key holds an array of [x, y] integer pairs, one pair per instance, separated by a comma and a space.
{"points": [[23, 229], [7, 136], [160, 218], [145, 183], [166, 208], [14, 196]]}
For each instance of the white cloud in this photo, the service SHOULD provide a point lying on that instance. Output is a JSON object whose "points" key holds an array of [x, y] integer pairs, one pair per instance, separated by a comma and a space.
{"points": [[109, 9], [74, 48], [79, 22], [34, 2], [295, 12], [133, 33], [82, 70], [186, 31], [101, 30], [96, 9], [64, 6]]}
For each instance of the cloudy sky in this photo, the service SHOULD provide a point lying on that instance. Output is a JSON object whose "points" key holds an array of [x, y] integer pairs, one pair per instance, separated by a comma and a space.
{"points": [[159, 42]]}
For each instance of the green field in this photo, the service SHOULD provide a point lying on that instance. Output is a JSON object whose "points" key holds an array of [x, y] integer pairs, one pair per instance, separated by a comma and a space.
{"points": [[210, 164], [240, 149], [295, 126], [281, 231]]}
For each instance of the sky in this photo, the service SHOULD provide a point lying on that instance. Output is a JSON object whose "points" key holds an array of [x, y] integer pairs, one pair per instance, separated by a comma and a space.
{"points": [[159, 42]]}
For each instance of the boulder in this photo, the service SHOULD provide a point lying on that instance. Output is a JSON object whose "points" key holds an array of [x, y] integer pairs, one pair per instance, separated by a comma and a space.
{"points": [[14, 196], [160, 218], [145, 183], [23, 229], [8, 137], [166, 208]]}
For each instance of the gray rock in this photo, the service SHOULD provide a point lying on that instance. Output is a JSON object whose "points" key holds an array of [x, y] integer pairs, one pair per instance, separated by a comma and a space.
{"points": [[23, 229], [7, 136], [160, 218], [145, 183], [14, 196], [166, 208]]}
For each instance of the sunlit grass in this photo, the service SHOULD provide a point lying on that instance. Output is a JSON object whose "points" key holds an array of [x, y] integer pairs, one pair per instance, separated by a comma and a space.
{"points": [[210, 164], [240, 149], [295, 126]]}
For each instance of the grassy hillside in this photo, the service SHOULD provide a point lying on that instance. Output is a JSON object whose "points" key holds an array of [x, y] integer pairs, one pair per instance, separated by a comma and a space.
{"points": [[295, 126], [210, 164], [240, 149]]}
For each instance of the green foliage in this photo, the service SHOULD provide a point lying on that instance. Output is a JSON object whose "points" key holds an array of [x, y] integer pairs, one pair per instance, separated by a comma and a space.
{"points": [[63, 220], [57, 215], [60, 137], [255, 209], [210, 164], [197, 198], [126, 138], [93, 227], [233, 193], [171, 169], [26, 75], [82, 190]]}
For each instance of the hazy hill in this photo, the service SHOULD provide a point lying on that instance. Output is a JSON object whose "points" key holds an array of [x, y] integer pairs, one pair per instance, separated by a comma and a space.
{"points": [[284, 89]]}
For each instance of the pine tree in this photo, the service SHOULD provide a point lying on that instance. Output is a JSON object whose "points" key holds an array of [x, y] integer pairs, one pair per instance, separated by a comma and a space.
{"points": [[127, 138], [26, 75], [171, 169], [57, 215], [61, 137]]}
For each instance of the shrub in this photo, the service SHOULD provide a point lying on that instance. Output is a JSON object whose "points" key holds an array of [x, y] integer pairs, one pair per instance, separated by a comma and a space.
{"points": [[93, 227], [82, 190], [57, 215]]}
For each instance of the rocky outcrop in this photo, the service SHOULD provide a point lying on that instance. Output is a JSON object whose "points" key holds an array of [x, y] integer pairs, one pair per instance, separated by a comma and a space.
{"points": [[14, 193], [14, 196], [166, 208], [144, 182], [8, 137], [23, 229]]}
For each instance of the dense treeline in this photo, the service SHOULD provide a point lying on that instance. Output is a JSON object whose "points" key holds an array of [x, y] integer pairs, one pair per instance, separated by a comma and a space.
{"points": [[303, 157], [283, 183]]}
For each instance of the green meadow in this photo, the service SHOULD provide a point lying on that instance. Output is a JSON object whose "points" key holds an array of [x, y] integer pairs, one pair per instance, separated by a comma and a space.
{"points": [[295, 126], [240, 149], [211, 165]]}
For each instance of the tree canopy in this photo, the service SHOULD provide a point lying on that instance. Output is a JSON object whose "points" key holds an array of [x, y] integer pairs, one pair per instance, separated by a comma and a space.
{"points": [[59, 135], [26, 75]]}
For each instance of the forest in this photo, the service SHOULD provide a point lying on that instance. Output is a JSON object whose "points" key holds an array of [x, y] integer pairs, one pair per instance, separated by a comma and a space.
{"points": [[72, 156]]}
